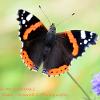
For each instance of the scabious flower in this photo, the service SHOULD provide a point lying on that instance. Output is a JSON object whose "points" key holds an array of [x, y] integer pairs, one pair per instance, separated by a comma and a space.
{"points": [[96, 84]]}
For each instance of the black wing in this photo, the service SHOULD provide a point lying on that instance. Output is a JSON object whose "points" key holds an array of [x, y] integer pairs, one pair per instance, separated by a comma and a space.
{"points": [[58, 59], [78, 41], [32, 33], [84, 39]]}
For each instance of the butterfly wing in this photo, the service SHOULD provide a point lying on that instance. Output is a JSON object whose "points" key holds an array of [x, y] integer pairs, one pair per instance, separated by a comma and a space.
{"points": [[32, 33], [59, 58], [69, 45], [78, 41]]}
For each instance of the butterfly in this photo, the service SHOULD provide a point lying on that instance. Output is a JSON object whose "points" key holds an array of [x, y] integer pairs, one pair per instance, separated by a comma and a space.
{"points": [[54, 50]]}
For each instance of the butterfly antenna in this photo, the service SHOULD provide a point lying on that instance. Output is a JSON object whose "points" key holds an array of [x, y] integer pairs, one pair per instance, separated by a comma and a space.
{"points": [[64, 19], [45, 15]]}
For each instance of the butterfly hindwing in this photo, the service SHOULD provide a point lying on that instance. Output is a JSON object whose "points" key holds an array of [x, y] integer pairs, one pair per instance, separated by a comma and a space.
{"points": [[58, 60], [32, 33]]}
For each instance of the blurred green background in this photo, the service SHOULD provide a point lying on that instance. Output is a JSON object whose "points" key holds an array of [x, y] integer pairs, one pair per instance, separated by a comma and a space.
{"points": [[15, 78]]}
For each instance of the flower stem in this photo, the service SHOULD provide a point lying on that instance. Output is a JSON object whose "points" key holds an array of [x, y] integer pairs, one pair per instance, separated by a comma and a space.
{"points": [[88, 98]]}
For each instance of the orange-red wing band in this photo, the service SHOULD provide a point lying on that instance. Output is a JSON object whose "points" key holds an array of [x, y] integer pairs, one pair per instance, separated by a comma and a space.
{"points": [[30, 29], [58, 71], [73, 41], [27, 60]]}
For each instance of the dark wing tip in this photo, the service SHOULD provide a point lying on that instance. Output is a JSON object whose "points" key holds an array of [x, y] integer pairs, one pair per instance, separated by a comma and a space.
{"points": [[94, 38], [21, 13]]}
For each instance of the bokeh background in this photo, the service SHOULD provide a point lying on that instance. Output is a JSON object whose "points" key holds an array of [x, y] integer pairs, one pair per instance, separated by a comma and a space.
{"points": [[16, 79]]}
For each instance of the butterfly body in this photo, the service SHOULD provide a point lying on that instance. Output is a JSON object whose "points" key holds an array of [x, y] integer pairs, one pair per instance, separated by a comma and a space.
{"points": [[50, 37], [54, 50]]}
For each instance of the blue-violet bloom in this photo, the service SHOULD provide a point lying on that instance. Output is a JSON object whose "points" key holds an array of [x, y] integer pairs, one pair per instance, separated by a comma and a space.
{"points": [[96, 84]]}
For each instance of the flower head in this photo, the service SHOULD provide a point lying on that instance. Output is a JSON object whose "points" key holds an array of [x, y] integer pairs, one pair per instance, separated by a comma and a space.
{"points": [[96, 83]]}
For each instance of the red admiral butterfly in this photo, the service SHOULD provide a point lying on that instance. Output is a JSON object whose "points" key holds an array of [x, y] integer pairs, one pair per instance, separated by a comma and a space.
{"points": [[56, 51]]}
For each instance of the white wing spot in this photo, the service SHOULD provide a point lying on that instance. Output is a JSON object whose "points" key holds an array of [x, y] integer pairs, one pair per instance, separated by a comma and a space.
{"points": [[20, 50], [21, 17], [20, 55], [23, 21], [35, 70], [23, 11], [29, 17], [18, 33], [25, 25], [19, 22], [97, 37], [22, 44], [19, 38], [83, 34], [91, 33], [85, 48], [80, 43], [19, 26], [85, 41], [88, 39]]}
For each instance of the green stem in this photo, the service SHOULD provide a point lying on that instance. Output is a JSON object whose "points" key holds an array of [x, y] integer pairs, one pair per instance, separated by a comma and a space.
{"points": [[79, 86]]}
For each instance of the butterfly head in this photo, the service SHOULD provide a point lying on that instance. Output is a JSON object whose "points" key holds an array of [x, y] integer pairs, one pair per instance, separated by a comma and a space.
{"points": [[52, 29]]}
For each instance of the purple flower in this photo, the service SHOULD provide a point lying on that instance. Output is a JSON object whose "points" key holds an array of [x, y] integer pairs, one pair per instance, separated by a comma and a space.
{"points": [[96, 84]]}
